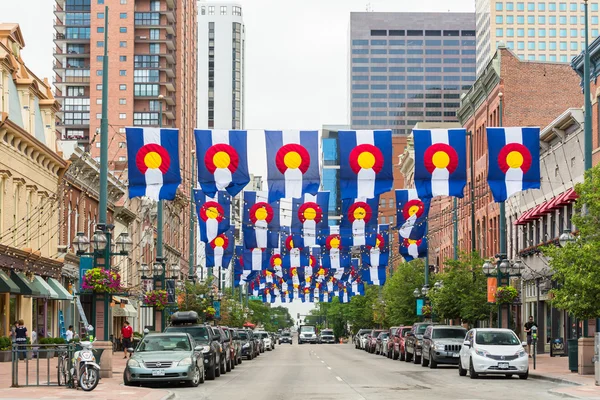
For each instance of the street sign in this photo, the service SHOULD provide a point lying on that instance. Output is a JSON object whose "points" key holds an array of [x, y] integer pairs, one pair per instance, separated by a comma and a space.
{"points": [[254, 298]]}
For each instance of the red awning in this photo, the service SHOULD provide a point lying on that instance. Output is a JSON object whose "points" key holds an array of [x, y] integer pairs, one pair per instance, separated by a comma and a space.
{"points": [[522, 220], [557, 202], [536, 213], [554, 203], [570, 196]]}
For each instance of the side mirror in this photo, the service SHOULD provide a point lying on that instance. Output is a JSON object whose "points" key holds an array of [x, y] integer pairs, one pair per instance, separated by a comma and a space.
{"points": [[523, 344], [130, 350], [198, 348], [466, 343]]}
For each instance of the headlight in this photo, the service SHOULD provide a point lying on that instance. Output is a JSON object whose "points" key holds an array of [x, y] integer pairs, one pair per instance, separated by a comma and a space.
{"points": [[439, 347], [482, 353], [246, 345], [133, 363], [521, 353], [185, 361], [205, 349]]}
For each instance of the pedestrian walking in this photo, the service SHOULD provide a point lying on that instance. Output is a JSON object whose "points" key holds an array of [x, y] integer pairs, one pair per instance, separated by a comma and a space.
{"points": [[21, 338], [69, 334], [528, 325], [126, 336]]}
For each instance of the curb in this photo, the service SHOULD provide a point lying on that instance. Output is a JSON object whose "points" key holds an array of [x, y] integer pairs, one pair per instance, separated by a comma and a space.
{"points": [[169, 396], [563, 395], [554, 379]]}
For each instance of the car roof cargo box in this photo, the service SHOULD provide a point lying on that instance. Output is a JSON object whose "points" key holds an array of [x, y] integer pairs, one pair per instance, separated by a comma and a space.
{"points": [[184, 317]]}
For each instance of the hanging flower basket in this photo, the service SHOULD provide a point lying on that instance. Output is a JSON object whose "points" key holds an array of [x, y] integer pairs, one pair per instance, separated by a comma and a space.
{"points": [[209, 313], [100, 280], [157, 299], [506, 295], [426, 311]]}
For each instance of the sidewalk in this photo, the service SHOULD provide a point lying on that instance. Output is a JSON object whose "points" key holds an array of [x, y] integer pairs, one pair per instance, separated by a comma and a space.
{"points": [[107, 389], [556, 369]]}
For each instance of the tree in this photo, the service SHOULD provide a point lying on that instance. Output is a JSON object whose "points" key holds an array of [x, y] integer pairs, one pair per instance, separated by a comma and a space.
{"points": [[400, 304], [464, 291], [575, 265]]}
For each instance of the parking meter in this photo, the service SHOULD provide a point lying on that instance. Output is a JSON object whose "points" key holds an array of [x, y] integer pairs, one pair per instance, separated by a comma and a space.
{"points": [[534, 342]]}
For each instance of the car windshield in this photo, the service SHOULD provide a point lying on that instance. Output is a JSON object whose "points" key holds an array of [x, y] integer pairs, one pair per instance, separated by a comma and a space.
{"points": [[308, 329], [363, 332], [376, 333], [327, 333], [383, 335], [243, 335], [285, 334], [163, 343], [496, 338], [263, 335], [449, 333], [404, 330], [421, 329], [199, 333]]}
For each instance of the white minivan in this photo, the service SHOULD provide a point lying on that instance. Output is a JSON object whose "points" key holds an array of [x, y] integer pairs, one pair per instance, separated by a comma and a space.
{"points": [[493, 351]]}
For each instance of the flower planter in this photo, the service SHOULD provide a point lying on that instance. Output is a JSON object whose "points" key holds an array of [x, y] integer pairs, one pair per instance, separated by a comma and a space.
{"points": [[5, 356]]}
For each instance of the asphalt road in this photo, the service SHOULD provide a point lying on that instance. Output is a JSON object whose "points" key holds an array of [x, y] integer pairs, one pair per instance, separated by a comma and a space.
{"points": [[332, 372]]}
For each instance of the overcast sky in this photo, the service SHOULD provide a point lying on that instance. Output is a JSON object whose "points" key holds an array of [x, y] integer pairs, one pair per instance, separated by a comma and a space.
{"points": [[296, 56]]}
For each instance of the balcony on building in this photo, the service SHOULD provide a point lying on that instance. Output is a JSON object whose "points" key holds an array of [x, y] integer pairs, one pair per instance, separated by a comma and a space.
{"points": [[153, 20], [168, 40]]}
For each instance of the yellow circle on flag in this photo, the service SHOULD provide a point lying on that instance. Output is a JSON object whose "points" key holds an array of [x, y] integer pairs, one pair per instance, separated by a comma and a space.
{"points": [[153, 160], [413, 210], [334, 243], [359, 213], [411, 241], [377, 242], [440, 159], [261, 214], [366, 160], [221, 159], [277, 261], [292, 160], [219, 242], [212, 212], [514, 159], [310, 213], [292, 244]]}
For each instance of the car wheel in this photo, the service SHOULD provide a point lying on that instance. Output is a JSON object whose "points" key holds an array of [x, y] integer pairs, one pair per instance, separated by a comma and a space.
{"points": [[461, 370], [394, 355], [126, 380], [223, 367], [417, 359], [233, 363], [407, 356], [195, 379], [525, 375], [228, 366], [240, 360], [217, 369], [432, 363], [401, 356], [424, 361], [472, 373], [203, 375], [211, 373]]}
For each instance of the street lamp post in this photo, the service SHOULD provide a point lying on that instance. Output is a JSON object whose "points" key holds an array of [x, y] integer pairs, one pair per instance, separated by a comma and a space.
{"points": [[192, 217], [504, 269]]}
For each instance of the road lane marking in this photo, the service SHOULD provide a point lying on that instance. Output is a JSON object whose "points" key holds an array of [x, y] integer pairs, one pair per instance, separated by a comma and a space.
{"points": [[329, 368], [322, 361], [339, 379]]}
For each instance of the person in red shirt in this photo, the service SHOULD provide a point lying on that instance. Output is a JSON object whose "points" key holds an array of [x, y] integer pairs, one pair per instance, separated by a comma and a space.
{"points": [[126, 336]]}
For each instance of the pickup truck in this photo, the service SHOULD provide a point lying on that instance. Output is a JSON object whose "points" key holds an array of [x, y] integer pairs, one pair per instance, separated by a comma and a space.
{"points": [[413, 341]]}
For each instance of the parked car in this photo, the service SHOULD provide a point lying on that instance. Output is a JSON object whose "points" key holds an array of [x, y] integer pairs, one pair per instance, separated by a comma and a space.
{"points": [[388, 351], [267, 340], [398, 342], [412, 342], [237, 346], [273, 337], [381, 342], [441, 345], [372, 340], [247, 344], [165, 357], [493, 351], [261, 343], [307, 334], [226, 349], [204, 335], [285, 337], [327, 336], [360, 339]]}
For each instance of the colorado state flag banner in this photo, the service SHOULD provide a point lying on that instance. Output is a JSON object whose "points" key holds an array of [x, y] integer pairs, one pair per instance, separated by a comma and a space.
{"points": [[153, 162], [378, 255], [310, 215], [333, 257], [440, 162], [225, 162], [220, 250], [359, 219], [365, 163], [411, 213], [411, 249], [213, 214], [256, 259], [514, 161], [292, 163], [260, 221]]}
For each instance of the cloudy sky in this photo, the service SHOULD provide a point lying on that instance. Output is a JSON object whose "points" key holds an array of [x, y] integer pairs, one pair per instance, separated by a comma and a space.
{"points": [[296, 55]]}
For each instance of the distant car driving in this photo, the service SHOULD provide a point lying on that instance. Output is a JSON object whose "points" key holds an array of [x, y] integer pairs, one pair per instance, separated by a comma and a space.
{"points": [[327, 336], [285, 337]]}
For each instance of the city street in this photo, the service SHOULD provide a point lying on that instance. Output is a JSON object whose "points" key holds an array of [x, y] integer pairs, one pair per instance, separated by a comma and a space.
{"points": [[341, 372]]}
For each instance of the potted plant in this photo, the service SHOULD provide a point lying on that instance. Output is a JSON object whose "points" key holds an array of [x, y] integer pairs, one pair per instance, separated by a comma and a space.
{"points": [[5, 349], [209, 313], [506, 295], [99, 280], [156, 298]]}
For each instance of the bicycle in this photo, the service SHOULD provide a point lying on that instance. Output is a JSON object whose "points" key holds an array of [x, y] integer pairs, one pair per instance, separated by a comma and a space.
{"points": [[64, 378]]}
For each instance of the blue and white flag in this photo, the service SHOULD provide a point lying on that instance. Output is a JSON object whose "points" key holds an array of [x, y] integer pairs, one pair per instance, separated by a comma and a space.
{"points": [[412, 249], [310, 215], [333, 257], [374, 275], [365, 163], [220, 250], [411, 213], [514, 161], [153, 162], [260, 221], [213, 214], [359, 220], [440, 162], [292, 163], [256, 259], [378, 255], [222, 160]]}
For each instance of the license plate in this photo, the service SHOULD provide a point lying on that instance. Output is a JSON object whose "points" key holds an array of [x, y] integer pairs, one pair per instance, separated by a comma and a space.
{"points": [[158, 372], [456, 355], [503, 365]]}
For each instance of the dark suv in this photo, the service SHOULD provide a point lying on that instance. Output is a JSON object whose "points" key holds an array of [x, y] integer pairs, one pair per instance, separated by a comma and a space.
{"points": [[248, 347], [204, 335], [226, 346], [442, 344], [237, 347], [412, 342]]}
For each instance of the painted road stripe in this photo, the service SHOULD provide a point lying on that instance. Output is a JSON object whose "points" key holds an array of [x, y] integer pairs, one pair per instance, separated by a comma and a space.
{"points": [[339, 379]]}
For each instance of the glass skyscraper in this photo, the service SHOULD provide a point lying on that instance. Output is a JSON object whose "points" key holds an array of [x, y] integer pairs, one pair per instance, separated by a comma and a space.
{"points": [[330, 172]]}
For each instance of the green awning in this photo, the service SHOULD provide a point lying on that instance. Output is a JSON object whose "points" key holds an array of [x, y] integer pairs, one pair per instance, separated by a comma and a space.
{"points": [[7, 285], [26, 286], [44, 293], [38, 279], [63, 294]]}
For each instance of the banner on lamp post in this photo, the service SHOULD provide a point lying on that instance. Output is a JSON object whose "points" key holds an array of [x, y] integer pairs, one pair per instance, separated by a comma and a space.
{"points": [[420, 304], [492, 285], [170, 285], [217, 307]]}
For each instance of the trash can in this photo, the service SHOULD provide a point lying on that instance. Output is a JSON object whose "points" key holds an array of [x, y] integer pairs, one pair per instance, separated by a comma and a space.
{"points": [[573, 355]]}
